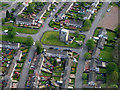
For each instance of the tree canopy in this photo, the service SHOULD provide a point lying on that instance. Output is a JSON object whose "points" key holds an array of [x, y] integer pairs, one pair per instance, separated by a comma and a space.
{"points": [[11, 32], [87, 55], [39, 47], [29, 40], [90, 43], [110, 67], [77, 33], [87, 25], [7, 14]]}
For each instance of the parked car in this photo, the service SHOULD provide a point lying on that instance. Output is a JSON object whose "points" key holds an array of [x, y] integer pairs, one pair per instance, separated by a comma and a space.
{"points": [[33, 43], [55, 28], [11, 21], [56, 48], [81, 31], [108, 10], [51, 48], [17, 33], [53, 10], [5, 31]]}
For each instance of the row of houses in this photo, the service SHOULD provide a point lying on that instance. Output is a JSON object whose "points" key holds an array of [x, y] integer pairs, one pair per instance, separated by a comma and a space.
{"points": [[8, 78], [91, 10], [9, 45], [27, 21], [92, 66]]}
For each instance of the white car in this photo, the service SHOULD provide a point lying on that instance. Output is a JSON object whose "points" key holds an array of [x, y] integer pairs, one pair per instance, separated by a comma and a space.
{"points": [[11, 21], [53, 10], [108, 10], [5, 31], [33, 43], [17, 33]]}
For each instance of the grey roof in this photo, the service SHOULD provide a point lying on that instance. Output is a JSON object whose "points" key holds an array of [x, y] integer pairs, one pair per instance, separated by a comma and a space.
{"points": [[92, 76], [64, 9], [53, 51], [18, 10], [8, 43], [42, 11], [24, 20], [102, 31], [96, 53], [101, 43], [76, 22], [66, 73], [93, 64]]}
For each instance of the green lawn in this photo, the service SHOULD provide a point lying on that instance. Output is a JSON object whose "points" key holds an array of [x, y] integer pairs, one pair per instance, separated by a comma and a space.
{"points": [[45, 74], [31, 72], [57, 78], [96, 32], [102, 70], [21, 30], [16, 39], [106, 54], [52, 38], [111, 35]]}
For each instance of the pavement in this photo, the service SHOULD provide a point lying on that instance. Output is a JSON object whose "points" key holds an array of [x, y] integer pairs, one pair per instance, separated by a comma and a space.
{"points": [[81, 62]]}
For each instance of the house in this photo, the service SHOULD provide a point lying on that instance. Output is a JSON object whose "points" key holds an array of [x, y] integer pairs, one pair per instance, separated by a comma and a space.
{"points": [[75, 23], [101, 43], [19, 10], [10, 45], [24, 21], [43, 11], [26, 2], [63, 35], [102, 33], [96, 53], [18, 56], [87, 15], [65, 10], [56, 53], [67, 73]]}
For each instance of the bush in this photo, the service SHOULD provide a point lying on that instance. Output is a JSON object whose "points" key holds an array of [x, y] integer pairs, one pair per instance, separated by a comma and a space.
{"points": [[85, 76], [87, 56]]}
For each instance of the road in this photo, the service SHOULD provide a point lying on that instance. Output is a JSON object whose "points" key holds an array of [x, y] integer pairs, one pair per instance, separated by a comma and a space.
{"points": [[23, 76], [80, 67]]}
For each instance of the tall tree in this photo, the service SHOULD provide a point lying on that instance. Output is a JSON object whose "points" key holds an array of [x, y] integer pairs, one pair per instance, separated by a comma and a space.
{"points": [[87, 55], [111, 67], [39, 47], [87, 25], [90, 43], [29, 40], [11, 32], [7, 14]]}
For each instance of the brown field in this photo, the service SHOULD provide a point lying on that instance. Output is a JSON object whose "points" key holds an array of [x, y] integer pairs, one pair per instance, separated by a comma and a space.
{"points": [[110, 19]]}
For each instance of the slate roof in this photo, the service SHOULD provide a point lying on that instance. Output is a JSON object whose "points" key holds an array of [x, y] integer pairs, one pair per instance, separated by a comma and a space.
{"points": [[24, 20], [96, 53], [101, 43]]}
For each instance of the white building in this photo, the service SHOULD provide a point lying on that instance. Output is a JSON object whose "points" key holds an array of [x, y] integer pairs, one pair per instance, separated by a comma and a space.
{"points": [[63, 35]]}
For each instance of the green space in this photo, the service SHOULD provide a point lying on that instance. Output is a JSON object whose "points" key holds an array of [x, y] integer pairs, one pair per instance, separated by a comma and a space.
{"points": [[111, 35], [84, 81], [102, 70], [96, 32], [31, 72], [106, 54], [52, 38], [57, 78], [3, 4], [100, 77], [45, 74], [85, 76], [16, 39], [22, 30], [57, 73]]}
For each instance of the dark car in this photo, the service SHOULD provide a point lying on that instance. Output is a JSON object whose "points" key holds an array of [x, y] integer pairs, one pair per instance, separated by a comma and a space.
{"points": [[51, 48]]}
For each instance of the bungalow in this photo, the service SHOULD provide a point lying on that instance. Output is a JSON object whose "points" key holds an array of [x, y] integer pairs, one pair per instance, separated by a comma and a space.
{"points": [[43, 11], [56, 53], [75, 23], [10, 45], [101, 43], [24, 21], [96, 53], [65, 10]]}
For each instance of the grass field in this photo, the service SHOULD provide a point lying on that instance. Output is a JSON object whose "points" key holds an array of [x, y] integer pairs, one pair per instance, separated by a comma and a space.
{"points": [[21, 30], [111, 35], [16, 39], [96, 32], [106, 54], [52, 38]]}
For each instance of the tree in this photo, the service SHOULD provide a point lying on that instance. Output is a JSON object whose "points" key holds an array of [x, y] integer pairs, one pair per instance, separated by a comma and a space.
{"points": [[112, 78], [29, 40], [110, 67], [76, 33], [87, 25], [30, 8], [39, 47], [19, 3], [3, 21], [7, 14], [13, 10], [113, 86], [55, 63], [87, 55], [11, 32], [90, 43]]}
